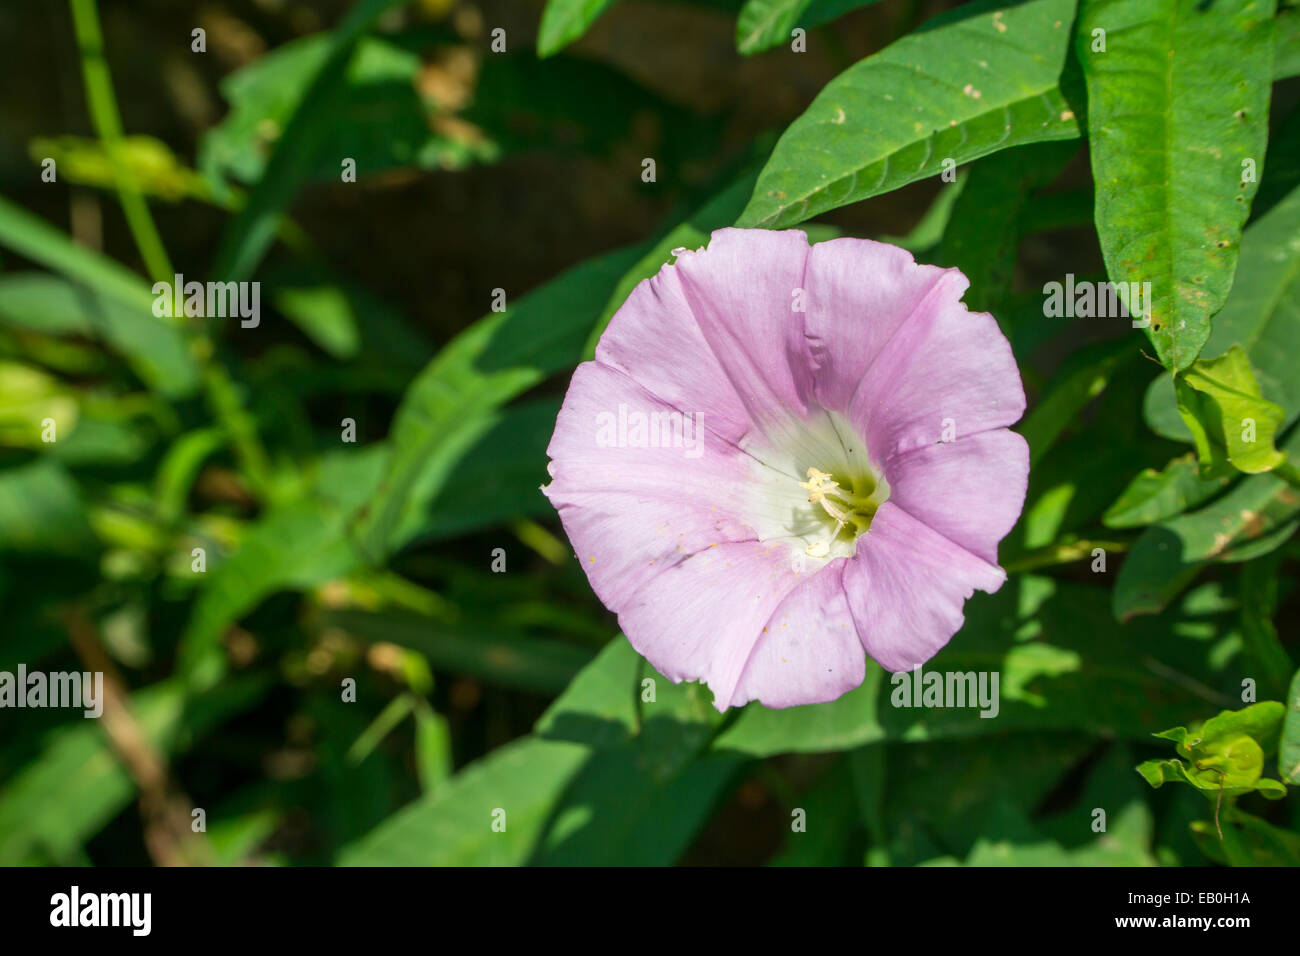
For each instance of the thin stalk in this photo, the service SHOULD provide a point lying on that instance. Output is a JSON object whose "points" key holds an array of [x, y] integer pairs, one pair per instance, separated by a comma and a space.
{"points": [[223, 399], [1054, 554], [108, 125]]}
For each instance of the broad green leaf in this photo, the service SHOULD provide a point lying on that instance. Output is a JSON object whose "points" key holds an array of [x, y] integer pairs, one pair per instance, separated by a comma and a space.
{"points": [[832, 807], [1230, 421], [563, 21], [983, 234], [1177, 102], [1083, 679], [1262, 314], [982, 78], [499, 479], [120, 303], [1259, 514], [513, 787], [946, 797], [1247, 841], [764, 24], [1093, 369], [610, 703], [325, 315], [610, 777], [650, 783], [453, 403], [1286, 55], [1258, 592], [156, 349], [1156, 495], [297, 150], [1288, 757], [1013, 839]]}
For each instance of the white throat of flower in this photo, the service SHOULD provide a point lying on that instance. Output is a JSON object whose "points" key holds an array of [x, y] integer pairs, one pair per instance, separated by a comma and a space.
{"points": [[822, 516]]}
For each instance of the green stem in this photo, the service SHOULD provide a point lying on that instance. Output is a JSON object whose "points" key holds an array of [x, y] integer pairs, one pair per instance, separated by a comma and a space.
{"points": [[239, 426], [222, 397], [1066, 553], [108, 125], [1288, 472]]}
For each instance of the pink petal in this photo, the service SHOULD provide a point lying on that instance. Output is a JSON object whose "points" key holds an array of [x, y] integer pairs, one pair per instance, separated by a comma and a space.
{"points": [[630, 512], [742, 293], [945, 365], [970, 491], [654, 339], [701, 618], [859, 293], [809, 650], [906, 587]]}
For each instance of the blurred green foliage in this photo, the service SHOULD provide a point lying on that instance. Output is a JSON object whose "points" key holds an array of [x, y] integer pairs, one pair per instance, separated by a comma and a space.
{"points": [[310, 556]]}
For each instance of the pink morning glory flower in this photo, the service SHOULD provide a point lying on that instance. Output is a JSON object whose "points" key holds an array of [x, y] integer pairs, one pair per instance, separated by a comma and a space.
{"points": [[786, 458]]}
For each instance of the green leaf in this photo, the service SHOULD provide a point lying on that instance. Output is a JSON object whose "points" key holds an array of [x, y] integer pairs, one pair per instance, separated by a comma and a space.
{"points": [[1259, 514], [980, 79], [1230, 421], [1249, 841], [1288, 757], [1083, 679], [831, 806], [983, 235], [1262, 722], [325, 315], [764, 24], [1259, 602], [499, 479], [1176, 102], [610, 777], [563, 21], [1093, 369], [1156, 495], [453, 403], [1286, 54], [650, 783], [1226, 753], [297, 150], [946, 798], [514, 786], [1262, 314], [117, 303], [156, 350]]}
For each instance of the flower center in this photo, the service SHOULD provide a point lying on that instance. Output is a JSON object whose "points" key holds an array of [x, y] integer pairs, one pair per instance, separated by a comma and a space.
{"points": [[821, 518], [850, 509]]}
